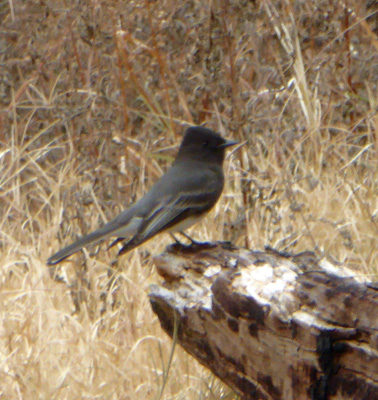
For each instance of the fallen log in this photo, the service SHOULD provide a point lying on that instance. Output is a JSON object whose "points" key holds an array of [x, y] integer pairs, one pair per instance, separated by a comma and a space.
{"points": [[271, 325]]}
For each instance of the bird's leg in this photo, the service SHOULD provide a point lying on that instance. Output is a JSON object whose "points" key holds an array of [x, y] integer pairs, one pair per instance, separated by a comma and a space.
{"points": [[195, 243], [176, 240], [189, 247], [189, 238], [178, 244]]}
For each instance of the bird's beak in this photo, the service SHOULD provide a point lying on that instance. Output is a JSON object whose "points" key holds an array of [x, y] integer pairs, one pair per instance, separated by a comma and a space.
{"points": [[229, 143]]}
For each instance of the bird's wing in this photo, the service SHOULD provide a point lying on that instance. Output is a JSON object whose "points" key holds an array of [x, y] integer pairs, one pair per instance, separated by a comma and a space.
{"points": [[171, 211], [190, 199]]}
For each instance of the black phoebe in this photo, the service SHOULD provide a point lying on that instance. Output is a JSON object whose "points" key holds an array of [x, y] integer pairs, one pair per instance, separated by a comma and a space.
{"points": [[181, 197]]}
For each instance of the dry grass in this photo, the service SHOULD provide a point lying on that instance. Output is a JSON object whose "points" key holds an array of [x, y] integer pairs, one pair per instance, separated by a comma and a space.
{"points": [[93, 100]]}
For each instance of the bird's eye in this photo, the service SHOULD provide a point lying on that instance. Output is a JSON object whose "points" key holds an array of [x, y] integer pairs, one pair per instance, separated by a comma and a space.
{"points": [[205, 143]]}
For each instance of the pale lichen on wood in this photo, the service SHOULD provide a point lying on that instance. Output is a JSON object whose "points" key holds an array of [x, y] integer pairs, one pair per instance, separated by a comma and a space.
{"points": [[271, 325]]}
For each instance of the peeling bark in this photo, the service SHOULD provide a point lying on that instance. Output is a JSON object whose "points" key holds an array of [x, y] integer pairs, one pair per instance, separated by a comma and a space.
{"points": [[272, 326]]}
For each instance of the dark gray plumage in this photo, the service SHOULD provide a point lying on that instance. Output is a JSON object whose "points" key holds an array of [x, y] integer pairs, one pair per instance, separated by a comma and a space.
{"points": [[184, 194]]}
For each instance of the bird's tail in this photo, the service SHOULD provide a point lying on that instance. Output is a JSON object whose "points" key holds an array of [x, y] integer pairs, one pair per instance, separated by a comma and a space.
{"points": [[122, 226], [92, 238]]}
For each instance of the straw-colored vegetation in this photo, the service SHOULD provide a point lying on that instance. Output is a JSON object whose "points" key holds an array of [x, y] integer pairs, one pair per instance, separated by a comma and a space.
{"points": [[94, 98]]}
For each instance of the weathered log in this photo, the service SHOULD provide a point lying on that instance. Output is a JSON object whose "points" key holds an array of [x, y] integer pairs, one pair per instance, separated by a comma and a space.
{"points": [[271, 325]]}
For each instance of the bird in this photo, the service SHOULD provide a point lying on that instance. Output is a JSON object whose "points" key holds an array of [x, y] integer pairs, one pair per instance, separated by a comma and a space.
{"points": [[179, 199]]}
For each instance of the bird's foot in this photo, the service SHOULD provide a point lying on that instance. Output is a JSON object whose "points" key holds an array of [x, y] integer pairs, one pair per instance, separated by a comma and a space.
{"points": [[192, 247]]}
